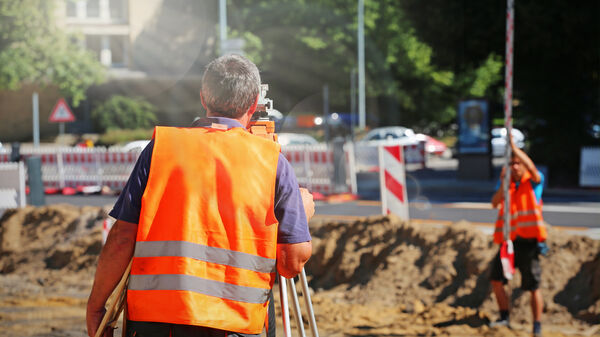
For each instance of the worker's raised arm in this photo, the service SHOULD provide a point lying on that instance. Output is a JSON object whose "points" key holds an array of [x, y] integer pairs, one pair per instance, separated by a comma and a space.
{"points": [[113, 261], [527, 162], [498, 197]]}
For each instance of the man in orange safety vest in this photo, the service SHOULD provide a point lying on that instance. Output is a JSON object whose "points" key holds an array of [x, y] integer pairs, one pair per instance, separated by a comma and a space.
{"points": [[527, 232], [209, 214]]}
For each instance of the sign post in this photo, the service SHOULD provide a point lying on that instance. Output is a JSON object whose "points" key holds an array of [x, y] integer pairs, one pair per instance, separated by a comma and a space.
{"points": [[36, 120], [61, 113]]}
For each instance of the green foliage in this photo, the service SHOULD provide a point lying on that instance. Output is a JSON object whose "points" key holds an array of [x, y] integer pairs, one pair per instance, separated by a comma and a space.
{"points": [[118, 136], [488, 74], [34, 50], [307, 44], [120, 112]]}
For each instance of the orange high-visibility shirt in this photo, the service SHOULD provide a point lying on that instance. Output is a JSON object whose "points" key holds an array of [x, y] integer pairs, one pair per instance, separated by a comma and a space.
{"points": [[526, 219]]}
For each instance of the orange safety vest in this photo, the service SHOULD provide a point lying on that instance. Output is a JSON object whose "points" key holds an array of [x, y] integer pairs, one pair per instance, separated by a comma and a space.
{"points": [[526, 218], [205, 251]]}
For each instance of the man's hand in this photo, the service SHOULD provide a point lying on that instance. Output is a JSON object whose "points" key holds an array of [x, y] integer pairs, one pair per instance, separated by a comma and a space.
{"points": [[309, 204], [93, 318]]}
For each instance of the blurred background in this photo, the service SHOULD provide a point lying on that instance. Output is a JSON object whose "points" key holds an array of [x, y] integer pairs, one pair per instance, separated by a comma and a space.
{"points": [[124, 66]]}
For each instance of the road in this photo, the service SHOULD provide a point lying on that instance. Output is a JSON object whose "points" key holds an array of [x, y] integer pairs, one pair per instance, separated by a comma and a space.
{"points": [[574, 215], [436, 195]]}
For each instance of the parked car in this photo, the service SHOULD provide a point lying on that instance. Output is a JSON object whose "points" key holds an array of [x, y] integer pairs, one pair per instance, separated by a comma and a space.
{"points": [[295, 139], [499, 140], [432, 145], [390, 135], [136, 145]]}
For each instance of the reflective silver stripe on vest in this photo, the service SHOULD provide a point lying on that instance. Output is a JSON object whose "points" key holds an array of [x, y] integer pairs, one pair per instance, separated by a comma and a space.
{"points": [[205, 253], [530, 224], [524, 213], [199, 285]]}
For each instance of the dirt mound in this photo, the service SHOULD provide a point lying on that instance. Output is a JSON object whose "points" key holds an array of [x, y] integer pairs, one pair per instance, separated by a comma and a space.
{"points": [[375, 277], [387, 263], [50, 248]]}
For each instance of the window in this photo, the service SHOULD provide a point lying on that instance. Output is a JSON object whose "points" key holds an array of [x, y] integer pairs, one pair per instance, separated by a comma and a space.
{"points": [[93, 8], [118, 9], [94, 44], [71, 9], [117, 50]]}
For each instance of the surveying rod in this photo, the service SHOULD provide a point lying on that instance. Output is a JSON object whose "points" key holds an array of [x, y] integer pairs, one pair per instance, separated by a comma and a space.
{"points": [[508, 114]]}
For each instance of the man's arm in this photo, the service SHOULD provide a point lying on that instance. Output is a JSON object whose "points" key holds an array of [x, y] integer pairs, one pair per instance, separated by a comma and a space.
{"points": [[291, 257], [498, 197], [113, 261], [527, 162]]}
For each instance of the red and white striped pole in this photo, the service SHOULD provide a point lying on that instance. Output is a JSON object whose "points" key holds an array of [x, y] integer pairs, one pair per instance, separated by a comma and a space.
{"points": [[393, 181], [507, 247]]}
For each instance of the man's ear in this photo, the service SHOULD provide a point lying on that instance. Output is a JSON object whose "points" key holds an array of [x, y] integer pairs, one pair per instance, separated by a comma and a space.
{"points": [[202, 101], [252, 109]]}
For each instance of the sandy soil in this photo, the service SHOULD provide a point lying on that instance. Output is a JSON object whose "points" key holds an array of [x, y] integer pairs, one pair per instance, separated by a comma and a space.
{"points": [[375, 277]]}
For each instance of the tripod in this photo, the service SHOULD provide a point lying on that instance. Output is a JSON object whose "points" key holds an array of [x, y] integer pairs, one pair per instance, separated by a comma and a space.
{"points": [[284, 283]]}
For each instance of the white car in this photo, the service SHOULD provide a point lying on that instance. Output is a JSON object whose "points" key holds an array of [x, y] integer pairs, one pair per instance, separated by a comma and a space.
{"points": [[136, 145], [390, 135], [499, 140], [295, 139]]}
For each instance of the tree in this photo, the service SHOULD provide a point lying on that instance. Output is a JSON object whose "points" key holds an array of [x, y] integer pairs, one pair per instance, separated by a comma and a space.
{"points": [[305, 44], [120, 112], [34, 50], [556, 66]]}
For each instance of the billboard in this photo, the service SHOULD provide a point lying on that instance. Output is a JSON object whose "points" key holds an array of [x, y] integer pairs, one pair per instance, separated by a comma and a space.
{"points": [[473, 127]]}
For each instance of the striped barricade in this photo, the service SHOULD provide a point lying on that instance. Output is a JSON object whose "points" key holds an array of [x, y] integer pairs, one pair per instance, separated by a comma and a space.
{"points": [[393, 181], [12, 185], [367, 157], [80, 167], [313, 166]]}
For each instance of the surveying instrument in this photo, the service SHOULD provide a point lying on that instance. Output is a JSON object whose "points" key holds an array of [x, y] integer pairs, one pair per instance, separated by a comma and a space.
{"points": [[263, 125]]}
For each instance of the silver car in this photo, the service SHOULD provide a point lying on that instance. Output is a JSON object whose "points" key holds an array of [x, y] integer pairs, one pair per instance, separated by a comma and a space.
{"points": [[499, 140], [391, 135]]}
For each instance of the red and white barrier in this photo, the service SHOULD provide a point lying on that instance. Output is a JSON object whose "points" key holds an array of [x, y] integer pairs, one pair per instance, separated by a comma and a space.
{"points": [[314, 167], [393, 181], [367, 158], [65, 167]]}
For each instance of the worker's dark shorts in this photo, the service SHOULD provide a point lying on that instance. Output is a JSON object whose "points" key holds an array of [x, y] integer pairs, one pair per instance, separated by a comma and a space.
{"points": [[526, 260], [153, 329]]}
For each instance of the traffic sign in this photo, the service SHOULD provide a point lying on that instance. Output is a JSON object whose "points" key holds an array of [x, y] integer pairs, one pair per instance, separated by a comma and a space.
{"points": [[61, 113]]}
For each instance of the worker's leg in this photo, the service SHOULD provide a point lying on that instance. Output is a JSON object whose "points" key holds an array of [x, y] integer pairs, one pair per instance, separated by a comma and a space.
{"points": [[501, 296], [528, 262], [498, 281], [537, 304]]}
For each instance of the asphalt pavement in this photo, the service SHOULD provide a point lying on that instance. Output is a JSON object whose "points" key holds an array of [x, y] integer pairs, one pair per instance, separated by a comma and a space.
{"points": [[436, 195]]}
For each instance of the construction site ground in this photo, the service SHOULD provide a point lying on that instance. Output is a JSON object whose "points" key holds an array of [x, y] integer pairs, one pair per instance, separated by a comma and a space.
{"points": [[376, 276]]}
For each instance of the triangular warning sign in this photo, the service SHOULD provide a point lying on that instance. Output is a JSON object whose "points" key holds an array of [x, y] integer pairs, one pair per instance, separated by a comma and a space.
{"points": [[61, 113]]}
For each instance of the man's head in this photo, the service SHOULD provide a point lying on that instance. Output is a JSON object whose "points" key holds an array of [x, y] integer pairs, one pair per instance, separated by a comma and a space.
{"points": [[230, 86], [516, 168]]}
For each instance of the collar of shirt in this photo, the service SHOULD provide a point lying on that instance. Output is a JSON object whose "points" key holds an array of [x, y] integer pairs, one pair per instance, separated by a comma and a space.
{"points": [[207, 121]]}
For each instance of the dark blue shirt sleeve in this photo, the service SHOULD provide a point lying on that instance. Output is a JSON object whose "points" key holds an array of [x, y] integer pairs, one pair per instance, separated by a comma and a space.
{"points": [[289, 208], [129, 204]]}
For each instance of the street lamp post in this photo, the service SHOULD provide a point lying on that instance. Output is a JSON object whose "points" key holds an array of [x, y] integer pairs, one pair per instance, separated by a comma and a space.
{"points": [[361, 66]]}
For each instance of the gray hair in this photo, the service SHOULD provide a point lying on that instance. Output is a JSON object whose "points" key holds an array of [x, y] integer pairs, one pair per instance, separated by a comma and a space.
{"points": [[230, 85]]}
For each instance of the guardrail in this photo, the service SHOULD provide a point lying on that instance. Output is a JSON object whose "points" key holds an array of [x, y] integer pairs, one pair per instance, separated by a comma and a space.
{"points": [[320, 168]]}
